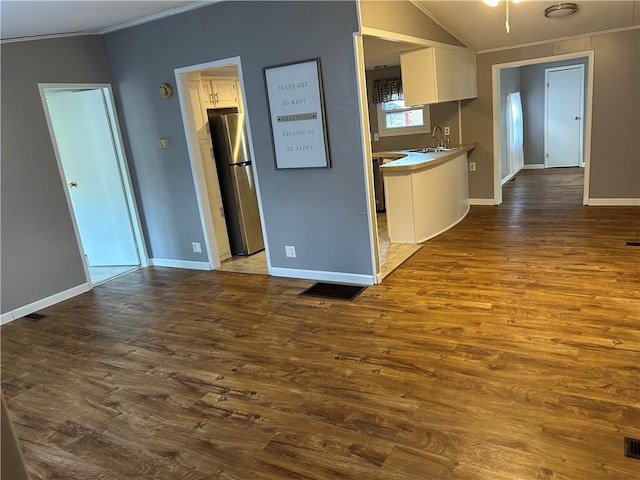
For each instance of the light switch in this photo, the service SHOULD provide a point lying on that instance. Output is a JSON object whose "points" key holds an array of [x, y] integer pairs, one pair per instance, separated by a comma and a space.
{"points": [[164, 143]]}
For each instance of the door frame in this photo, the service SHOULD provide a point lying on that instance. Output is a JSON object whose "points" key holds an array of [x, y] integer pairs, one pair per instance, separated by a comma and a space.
{"points": [[116, 132], [195, 159], [497, 131], [547, 71]]}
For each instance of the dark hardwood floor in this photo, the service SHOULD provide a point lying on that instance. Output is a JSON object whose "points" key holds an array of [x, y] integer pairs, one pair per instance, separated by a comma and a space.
{"points": [[505, 349]]}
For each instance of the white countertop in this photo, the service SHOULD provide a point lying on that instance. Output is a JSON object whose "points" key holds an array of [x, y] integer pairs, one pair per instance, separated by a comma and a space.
{"points": [[405, 160]]}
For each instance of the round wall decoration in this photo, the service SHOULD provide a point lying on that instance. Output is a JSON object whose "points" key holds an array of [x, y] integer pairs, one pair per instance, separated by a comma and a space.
{"points": [[165, 90]]}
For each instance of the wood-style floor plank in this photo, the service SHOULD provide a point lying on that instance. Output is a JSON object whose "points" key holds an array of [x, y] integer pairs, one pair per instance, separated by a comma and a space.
{"points": [[506, 348]]}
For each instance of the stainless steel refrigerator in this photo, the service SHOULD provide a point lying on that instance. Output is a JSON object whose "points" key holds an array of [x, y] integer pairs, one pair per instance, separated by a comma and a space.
{"points": [[237, 186]]}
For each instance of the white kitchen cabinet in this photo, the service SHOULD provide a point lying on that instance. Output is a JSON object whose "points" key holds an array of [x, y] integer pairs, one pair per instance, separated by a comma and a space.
{"points": [[436, 75], [215, 199], [221, 92], [198, 103]]}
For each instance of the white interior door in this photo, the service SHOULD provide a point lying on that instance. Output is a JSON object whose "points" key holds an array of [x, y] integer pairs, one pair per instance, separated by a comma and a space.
{"points": [[88, 155], [564, 118]]}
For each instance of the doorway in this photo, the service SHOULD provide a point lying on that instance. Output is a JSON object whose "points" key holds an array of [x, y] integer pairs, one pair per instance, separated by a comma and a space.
{"points": [[88, 147], [207, 92], [539, 142], [564, 117]]}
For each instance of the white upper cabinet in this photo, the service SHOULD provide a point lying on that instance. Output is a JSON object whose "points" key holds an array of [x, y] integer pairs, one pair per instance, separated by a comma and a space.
{"points": [[222, 92], [436, 75]]}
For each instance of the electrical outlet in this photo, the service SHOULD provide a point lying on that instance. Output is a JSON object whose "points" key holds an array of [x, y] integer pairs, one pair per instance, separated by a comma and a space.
{"points": [[196, 247], [472, 166], [376, 137], [447, 130], [290, 251], [164, 143]]}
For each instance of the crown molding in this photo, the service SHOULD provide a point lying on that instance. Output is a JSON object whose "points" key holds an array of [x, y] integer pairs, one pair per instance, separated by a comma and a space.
{"points": [[121, 26], [158, 16], [556, 40]]}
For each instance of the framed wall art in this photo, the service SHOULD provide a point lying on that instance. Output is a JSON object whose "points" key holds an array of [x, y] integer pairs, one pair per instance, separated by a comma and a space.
{"points": [[296, 111]]}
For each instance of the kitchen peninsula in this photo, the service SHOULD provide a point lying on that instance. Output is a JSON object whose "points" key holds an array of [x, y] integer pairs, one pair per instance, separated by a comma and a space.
{"points": [[426, 191]]}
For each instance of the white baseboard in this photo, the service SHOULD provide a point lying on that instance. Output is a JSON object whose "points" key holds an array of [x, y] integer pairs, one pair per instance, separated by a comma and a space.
{"points": [[163, 262], [614, 202], [533, 166], [322, 276], [481, 201], [43, 303]]}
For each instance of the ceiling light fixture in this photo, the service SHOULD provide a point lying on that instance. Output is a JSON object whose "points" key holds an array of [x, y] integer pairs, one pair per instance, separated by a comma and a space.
{"points": [[494, 3], [561, 10]]}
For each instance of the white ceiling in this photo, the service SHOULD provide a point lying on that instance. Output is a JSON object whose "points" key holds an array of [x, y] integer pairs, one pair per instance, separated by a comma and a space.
{"points": [[32, 18], [481, 27], [474, 23]]}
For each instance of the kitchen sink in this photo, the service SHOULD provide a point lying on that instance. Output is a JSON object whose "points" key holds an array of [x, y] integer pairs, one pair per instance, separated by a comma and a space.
{"points": [[432, 149]]}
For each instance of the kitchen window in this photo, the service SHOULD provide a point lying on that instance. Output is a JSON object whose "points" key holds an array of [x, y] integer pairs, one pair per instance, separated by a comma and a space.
{"points": [[395, 118]]}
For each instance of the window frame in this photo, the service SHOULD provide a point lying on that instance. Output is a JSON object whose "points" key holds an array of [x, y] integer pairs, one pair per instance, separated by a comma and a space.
{"points": [[389, 132]]}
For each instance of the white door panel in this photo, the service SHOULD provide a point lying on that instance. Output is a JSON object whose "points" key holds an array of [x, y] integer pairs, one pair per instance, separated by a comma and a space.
{"points": [[564, 116], [86, 146]]}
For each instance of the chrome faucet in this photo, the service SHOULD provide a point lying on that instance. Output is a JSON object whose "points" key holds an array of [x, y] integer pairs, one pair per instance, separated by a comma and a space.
{"points": [[440, 138]]}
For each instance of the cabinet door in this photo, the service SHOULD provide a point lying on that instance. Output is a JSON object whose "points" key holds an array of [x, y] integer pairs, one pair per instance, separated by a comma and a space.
{"points": [[435, 75], [239, 96], [224, 93], [215, 199], [207, 94], [198, 95]]}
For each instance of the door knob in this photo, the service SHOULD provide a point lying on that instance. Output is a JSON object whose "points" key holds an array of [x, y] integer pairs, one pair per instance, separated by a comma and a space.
{"points": [[577, 118], [73, 185]]}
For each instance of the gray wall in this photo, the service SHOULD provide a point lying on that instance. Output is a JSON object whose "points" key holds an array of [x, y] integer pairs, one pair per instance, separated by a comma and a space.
{"points": [[442, 114], [615, 169], [322, 212], [533, 89], [39, 256]]}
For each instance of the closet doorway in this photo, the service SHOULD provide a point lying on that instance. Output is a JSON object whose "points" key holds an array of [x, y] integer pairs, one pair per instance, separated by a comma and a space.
{"points": [[88, 147]]}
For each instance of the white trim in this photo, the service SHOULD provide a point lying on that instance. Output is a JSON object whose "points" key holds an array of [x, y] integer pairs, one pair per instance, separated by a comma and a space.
{"points": [[323, 276], [44, 303], [497, 148], [167, 262], [495, 73], [460, 142], [159, 15], [418, 41], [533, 166], [46, 37], [195, 159], [365, 136], [481, 201], [555, 40], [508, 177], [125, 175], [614, 202]]}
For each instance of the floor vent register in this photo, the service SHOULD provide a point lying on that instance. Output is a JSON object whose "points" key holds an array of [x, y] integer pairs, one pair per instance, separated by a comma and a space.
{"points": [[632, 448], [334, 291]]}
